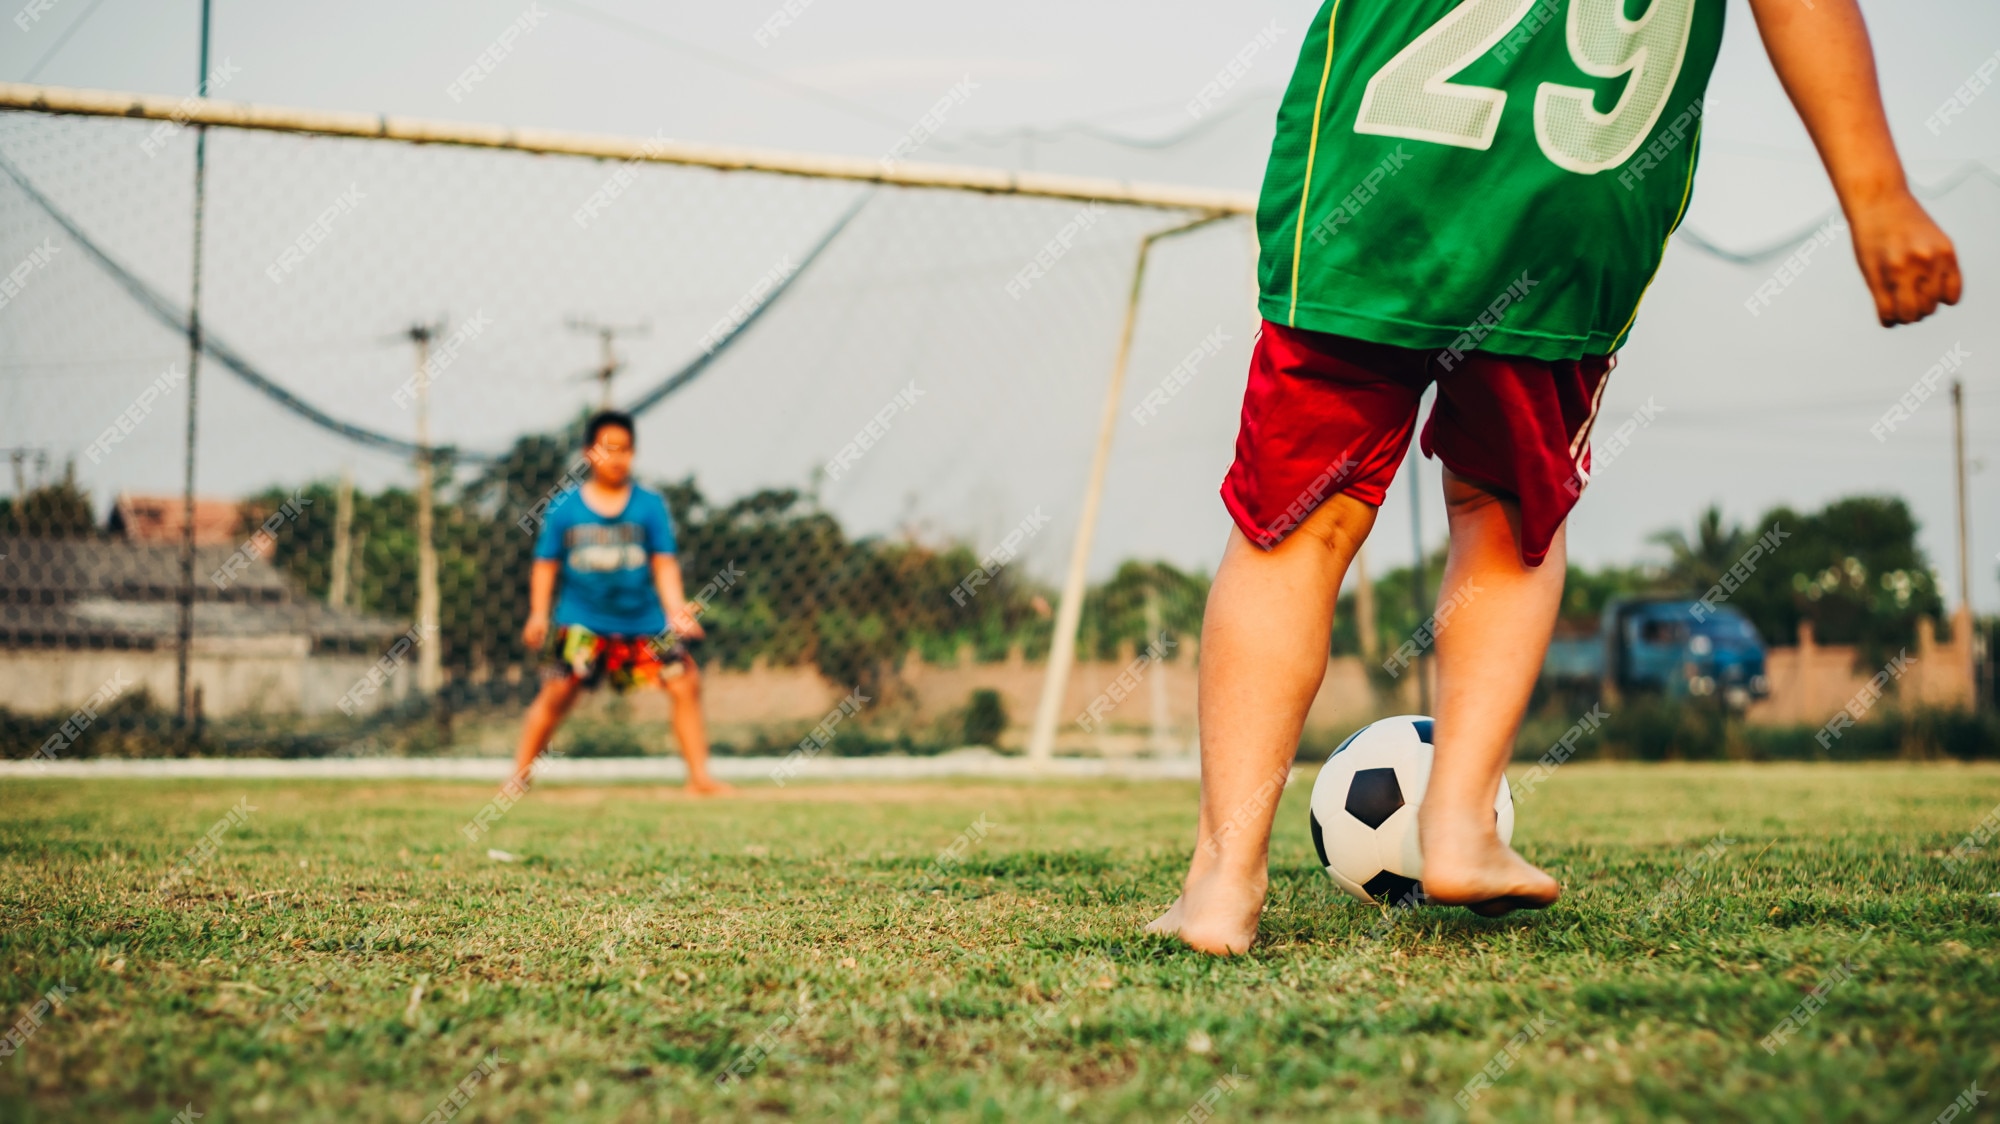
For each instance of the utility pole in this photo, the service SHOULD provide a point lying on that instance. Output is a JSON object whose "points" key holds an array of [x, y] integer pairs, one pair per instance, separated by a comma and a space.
{"points": [[430, 663], [1958, 460], [184, 631], [343, 541], [608, 363], [1963, 628], [1364, 605]]}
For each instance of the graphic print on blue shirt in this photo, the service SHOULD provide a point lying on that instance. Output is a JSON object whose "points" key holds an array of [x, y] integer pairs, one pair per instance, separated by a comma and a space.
{"points": [[607, 562]]}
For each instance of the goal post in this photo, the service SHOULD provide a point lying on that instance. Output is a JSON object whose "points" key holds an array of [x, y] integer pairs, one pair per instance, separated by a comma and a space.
{"points": [[918, 349]]}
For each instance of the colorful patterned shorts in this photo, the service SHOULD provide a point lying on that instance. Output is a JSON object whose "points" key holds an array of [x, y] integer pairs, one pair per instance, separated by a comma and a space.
{"points": [[574, 652]]}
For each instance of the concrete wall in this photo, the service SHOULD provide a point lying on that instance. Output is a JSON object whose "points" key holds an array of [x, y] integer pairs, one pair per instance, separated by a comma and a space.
{"points": [[263, 675], [741, 701], [1812, 681]]}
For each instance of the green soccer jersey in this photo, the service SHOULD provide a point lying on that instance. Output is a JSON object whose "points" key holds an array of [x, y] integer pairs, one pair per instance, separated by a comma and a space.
{"points": [[1499, 175]]}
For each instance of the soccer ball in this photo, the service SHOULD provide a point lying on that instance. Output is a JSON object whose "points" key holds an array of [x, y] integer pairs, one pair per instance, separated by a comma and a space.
{"points": [[1364, 810]]}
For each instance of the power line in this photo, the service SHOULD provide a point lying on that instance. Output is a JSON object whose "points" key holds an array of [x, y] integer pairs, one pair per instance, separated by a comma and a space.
{"points": [[36, 70]]}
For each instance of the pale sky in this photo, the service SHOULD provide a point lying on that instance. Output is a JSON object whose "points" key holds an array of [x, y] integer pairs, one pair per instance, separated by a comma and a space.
{"points": [[1756, 410]]}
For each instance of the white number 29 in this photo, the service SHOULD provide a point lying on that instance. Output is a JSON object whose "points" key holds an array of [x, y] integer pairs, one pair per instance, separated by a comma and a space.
{"points": [[1413, 96]]}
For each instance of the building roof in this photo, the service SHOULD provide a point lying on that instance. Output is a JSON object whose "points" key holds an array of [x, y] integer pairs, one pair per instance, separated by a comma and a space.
{"points": [[158, 519], [99, 592]]}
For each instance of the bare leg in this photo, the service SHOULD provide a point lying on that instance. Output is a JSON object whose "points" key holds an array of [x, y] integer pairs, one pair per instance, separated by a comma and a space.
{"points": [[691, 730], [546, 713], [1264, 643], [1488, 658]]}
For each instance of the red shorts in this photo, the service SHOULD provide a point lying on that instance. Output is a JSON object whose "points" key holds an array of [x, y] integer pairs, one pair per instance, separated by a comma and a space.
{"points": [[1326, 414]]}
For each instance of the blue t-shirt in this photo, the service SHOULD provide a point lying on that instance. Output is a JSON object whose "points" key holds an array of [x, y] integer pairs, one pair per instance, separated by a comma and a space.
{"points": [[607, 562]]}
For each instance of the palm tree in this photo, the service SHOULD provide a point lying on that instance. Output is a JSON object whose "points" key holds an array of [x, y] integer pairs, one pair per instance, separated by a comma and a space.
{"points": [[1699, 563]]}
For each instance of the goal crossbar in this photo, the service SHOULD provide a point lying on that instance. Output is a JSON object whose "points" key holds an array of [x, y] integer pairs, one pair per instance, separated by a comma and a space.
{"points": [[416, 130]]}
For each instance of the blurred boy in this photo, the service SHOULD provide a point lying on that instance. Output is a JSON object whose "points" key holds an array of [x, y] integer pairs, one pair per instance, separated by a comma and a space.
{"points": [[611, 544], [1473, 194]]}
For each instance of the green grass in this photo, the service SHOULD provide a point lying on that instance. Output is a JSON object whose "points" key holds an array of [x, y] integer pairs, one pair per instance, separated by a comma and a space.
{"points": [[645, 942]]}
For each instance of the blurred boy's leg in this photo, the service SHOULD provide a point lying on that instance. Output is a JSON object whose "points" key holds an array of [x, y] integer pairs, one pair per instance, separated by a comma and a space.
{"points": [[544, 715], [1488, 658], [691, 728], [1264, 641]]}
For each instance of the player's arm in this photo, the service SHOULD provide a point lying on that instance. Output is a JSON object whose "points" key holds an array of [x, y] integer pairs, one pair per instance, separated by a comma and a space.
{"points": [[1823, 58], [680, 615], [541, 595]]}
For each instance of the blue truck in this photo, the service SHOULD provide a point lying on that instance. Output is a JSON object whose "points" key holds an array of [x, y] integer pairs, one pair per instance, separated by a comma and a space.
{"points": [[1662, 646]]}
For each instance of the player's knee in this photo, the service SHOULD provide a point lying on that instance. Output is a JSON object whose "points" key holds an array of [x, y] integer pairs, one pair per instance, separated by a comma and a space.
{"points": [[1338, 525]]}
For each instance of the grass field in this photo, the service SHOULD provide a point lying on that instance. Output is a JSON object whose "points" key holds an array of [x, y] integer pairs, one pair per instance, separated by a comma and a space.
{"points": [[346, 954]]}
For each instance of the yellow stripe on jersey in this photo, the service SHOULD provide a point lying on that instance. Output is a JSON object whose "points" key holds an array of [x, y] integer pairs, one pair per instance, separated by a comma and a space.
{"points": [[1687, 191], [1312, 150]]}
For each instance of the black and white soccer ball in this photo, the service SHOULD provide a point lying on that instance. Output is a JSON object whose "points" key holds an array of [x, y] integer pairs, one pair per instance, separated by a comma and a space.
{"points": [[1364, 810]]}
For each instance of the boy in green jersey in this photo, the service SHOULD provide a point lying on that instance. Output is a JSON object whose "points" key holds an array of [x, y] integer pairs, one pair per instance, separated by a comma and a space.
{"points": [[1474, 195]]}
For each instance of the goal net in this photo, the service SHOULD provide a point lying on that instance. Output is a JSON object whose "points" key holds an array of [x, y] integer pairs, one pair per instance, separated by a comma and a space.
{"points": [[874, 407]]}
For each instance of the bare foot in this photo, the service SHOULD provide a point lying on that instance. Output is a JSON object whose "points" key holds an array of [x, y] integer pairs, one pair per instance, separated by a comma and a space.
{"points": [[1469, 866], [1216, 914], [709, 786]]}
